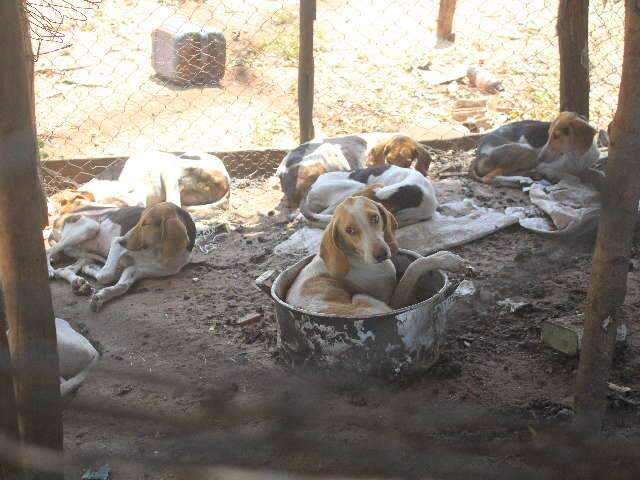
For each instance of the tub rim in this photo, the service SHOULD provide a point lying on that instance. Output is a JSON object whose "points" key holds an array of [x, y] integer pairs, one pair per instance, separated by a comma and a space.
{"points": [[443, 292]]}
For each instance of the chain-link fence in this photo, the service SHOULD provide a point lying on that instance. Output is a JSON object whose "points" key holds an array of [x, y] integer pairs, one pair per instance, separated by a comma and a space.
{"points": [[378, 67]]}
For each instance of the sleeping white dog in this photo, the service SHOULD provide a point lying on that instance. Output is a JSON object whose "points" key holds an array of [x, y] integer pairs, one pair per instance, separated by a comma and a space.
{"points": [[76, 357], [187, 180]]}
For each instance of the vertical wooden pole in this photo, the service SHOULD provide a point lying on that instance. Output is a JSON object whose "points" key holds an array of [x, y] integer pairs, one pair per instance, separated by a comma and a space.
{"points": [[445, 20], [306, 70], [23, 270], [608, 284], [8, 412], [573, 42]]}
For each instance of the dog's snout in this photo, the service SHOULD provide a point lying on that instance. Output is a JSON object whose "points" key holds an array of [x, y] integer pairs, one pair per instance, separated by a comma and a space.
{"points": [[381, 253]]}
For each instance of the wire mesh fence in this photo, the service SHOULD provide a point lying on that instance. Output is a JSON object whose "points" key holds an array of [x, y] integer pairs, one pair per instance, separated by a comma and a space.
{"points": [[389, 72], [378, 68]]}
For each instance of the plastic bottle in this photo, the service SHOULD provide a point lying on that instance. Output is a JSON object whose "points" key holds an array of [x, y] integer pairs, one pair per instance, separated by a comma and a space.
{"points": [[483, 80]]}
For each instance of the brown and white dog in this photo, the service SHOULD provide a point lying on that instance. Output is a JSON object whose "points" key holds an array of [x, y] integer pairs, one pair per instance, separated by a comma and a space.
{"points": [[121, 245], [353, 274], [405, 192], [401, 151], [555, 149], [187, 180], [68, 200], [301, 167]]}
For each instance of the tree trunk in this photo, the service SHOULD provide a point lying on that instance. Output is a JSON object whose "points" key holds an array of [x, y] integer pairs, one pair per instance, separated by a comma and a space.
{"points": [[306, 70], [573, 42], [445, 20], [607, 287], [23, 270]]}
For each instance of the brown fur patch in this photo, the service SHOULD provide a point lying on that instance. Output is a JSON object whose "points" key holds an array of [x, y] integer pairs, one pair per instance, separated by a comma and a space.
{"points": [[331, 291], [516, 160], [331, 252], [570, 132], [400, 150], [202, 187], [306, 176], [160, 225], [67, 201]]}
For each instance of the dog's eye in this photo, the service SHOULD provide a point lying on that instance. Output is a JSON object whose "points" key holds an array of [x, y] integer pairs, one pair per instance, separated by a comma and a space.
{"points": [[350, 230], [375, 219]]}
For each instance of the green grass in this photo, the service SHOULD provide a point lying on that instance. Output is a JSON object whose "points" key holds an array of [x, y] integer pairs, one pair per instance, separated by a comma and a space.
{"points": [[283, 42], [42, 153]]}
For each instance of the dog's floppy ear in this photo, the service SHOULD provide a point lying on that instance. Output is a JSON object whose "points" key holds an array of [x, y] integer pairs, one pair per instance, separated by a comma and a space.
{"points": [[334, 258], [369, 191], [378, 154], [583, 134], [390, 225], [174, 236], [189, 225], [423, 159], [134, 240]]}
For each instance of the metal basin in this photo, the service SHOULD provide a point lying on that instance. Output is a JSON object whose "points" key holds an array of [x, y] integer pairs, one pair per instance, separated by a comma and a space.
{"points": [[410, 338]]}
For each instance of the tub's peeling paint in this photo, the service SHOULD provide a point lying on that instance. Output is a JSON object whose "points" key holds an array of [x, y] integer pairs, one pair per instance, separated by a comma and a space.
{"points": [[392, 343]]}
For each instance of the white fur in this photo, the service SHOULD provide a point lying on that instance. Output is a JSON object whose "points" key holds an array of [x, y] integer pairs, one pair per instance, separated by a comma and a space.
{"points": [[153, 177], [569, 163], [330, 189], [370, 282], [96, 240], [76, 356]]}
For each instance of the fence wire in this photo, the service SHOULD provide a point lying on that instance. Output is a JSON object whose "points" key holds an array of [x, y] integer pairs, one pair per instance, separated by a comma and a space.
{"points": [[378, 68]]}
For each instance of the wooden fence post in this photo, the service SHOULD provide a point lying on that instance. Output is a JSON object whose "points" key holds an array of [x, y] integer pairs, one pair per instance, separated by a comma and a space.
{"points": [[8, 412], [607, 287], [23, 270], [306, 70], [445, 20], [573, 41]]}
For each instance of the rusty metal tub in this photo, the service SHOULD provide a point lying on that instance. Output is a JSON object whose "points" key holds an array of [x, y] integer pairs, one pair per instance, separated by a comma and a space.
{"points": [[406, 339]]}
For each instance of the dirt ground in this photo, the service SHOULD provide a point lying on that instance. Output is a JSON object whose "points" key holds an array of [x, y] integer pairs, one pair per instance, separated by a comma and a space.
{"points": [[179, 385], [378, 68]]}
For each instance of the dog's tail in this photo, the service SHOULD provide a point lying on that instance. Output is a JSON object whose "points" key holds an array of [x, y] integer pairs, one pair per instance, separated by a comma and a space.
{"points": [[319, 220], [73, 384]]}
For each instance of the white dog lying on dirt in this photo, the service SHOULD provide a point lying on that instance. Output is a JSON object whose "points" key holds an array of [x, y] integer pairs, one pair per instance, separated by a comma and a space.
{"points": [[76, 356], [187, 180]]}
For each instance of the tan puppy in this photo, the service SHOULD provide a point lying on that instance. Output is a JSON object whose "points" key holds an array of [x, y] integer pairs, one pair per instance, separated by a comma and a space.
{"points": [[353, 274], [565, 146], [402, 151]]}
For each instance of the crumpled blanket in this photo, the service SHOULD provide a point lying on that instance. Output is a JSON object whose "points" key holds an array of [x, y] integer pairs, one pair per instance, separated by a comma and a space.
{"points": [[571, 208], [568, 208], [456, 223]]}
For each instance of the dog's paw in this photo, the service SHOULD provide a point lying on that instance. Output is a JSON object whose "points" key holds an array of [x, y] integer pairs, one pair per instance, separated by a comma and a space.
{"points": [[95, 271], [96, 302], [80, 286], [52, 272]]}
